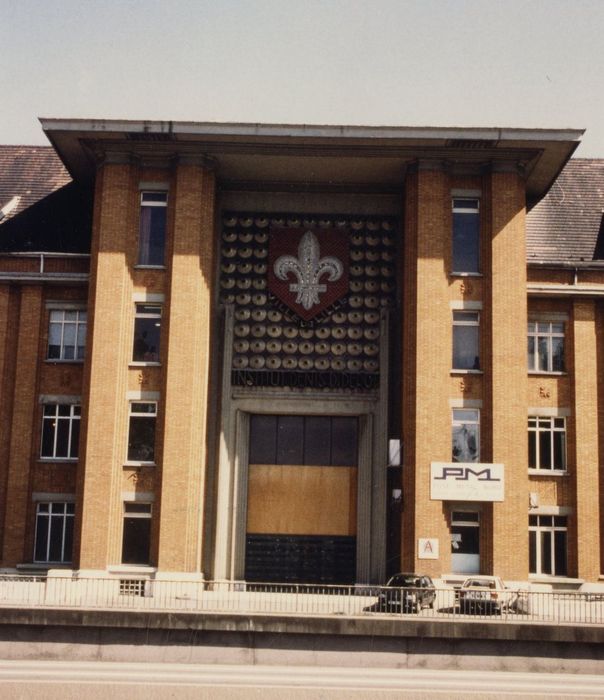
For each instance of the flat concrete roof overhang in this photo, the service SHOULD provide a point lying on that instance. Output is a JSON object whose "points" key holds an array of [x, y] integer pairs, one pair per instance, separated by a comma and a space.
{"points": [[299, 156]]}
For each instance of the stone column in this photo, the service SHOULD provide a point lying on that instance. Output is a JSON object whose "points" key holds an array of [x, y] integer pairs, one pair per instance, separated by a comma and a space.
{"points": [[187, 374], [22, 436], [505, 418], [108, 351], [585, 412], [426, 361]]}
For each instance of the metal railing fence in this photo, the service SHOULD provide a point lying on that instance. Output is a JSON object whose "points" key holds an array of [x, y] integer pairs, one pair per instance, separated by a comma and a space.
{"points": [[137, 593]]}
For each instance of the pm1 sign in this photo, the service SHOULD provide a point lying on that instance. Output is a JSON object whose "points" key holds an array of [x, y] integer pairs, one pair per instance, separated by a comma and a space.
{"points": [[466, 481]]}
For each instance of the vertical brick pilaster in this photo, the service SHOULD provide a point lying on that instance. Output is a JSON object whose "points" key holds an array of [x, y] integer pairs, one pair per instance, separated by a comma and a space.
{"points": [[426, 362], [585, 384], [186, 388], [506, 371], [108, 347], [22, 427]]}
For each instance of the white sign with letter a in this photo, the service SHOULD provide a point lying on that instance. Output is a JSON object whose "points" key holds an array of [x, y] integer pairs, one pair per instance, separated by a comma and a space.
{"points": [[427, 548]]}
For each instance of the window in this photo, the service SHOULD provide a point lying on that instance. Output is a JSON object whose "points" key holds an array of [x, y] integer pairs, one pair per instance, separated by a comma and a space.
{"points": [[54, 532], [546, 346], [152, 231], [466, 235], [466, 340], [547, 545], [136, 537], [147, 326], [547, 443], [466, 435], [67, 334], [60, 431], [141, 434]]}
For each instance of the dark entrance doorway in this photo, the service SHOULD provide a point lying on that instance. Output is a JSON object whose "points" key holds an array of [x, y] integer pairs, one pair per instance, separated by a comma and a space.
{"points": [[302, 499]]}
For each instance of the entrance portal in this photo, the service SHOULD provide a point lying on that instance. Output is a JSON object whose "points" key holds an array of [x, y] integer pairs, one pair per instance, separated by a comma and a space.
{"points": [[302, 499], [465, 539]]}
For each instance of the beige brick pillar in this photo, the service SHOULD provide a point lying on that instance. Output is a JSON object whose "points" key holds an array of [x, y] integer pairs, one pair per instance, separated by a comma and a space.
{"points": [[22, 428], [185, 395], [585, 384], [505, 417], [426, 362], [108, 348]]}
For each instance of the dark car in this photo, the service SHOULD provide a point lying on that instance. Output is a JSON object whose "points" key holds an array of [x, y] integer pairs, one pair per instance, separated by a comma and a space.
{"points": [[406, 593]]}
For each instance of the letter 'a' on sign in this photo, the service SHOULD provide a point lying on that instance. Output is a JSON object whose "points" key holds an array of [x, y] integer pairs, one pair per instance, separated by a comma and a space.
{"points": [[427, 548]]}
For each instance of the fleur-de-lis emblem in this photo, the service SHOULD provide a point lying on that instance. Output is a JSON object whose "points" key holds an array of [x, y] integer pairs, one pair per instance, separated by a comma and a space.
{"points": [[308, 268]]}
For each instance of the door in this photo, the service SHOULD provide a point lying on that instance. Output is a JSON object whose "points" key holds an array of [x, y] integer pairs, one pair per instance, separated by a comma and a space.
{"points": [[302, 499], [465, 542]]}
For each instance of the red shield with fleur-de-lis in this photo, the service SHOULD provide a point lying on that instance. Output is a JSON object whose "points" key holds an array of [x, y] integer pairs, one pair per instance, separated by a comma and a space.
{"points": [[308, 268]]}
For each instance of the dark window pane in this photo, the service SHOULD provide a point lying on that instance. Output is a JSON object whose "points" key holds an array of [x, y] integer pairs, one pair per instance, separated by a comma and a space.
{"points": [[136, 540], [75, 438], [152, 235], [465, 540], [146, 340], [48, 436], [317, 440], [532, 552], [543, 350], [466, 242], [62, 438], [465, 347], [263, 439], [68, 544], [558, 354], [560, 552], [532, 449], [55, 552], [531, 353], [546, 552], [41, 537], [559, 451], [141, 440], [132, 507], [545, 449], [290, 440], [344, 449]]}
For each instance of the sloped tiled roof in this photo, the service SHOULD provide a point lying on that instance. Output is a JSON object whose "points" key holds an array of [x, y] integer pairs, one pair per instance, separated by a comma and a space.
{"points": [[31, 172], [566, 224]]}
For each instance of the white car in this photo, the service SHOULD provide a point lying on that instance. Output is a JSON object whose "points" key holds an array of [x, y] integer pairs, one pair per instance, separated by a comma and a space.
{"points": [[485, 594]]}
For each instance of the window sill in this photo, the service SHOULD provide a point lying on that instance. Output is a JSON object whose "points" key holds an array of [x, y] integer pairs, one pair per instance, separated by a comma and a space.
{"points": [[539, 373], [56, 361], [57, 460], [465, 274], [139, 464], [144, 364], [550, 578], [548, 472], [149, 267], [466, 371], [39, 566], [131, 569]]}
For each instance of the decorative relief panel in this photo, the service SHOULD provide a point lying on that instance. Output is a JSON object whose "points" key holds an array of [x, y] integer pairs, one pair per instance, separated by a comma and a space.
{"points": [[307, 295]]}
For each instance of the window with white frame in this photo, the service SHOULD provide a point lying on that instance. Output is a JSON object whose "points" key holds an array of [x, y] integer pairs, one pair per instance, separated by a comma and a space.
{"points": [[547, 443], [152, 228], [466, 340], [136, 536], [465, 444], [548, 545], [67, 334], [141, 431], [147, 327], [546, 346], [60, 431], [54, 533], [466, 234]]}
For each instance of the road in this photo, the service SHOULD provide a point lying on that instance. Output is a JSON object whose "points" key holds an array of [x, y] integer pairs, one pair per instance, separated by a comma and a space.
{"points": [[53, 680]]}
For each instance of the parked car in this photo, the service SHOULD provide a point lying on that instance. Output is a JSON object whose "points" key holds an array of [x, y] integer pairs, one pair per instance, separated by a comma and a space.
{"points": [[405, 593], [485, 594]]}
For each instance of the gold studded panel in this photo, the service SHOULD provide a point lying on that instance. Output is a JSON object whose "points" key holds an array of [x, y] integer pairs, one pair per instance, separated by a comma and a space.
{"points": [[274, 346]]}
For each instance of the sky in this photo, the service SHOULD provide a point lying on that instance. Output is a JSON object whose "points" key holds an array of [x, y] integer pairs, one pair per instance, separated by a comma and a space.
{"points": [[483, 63]]}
